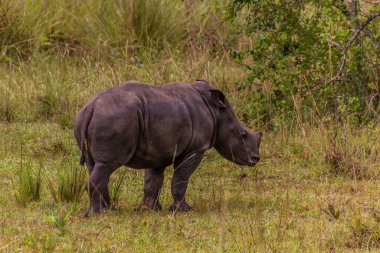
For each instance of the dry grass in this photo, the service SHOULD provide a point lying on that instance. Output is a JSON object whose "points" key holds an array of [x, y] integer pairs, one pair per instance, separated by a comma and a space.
{"points": [[54, 88], [281, 205], [316, 188]]}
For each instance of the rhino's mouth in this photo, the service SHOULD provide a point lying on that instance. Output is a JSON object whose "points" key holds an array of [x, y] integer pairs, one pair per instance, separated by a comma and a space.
{"points": [[238, 159], [254, 160], [250, 163]]}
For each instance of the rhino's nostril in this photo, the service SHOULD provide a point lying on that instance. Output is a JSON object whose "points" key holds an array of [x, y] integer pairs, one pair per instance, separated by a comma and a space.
{"points": [[255, 158]]}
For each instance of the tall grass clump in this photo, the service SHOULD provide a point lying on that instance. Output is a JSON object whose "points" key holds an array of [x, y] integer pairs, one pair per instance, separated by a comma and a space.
{"points": [[352, 152], [30, 26], [7, 111], [114, 29], [70, 184], [48, 101], [159, 22], [28, 186], [116, 186], [99, 29]]}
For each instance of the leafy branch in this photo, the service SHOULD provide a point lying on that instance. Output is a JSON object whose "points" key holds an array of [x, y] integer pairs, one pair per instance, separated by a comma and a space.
{"points": [[349, 42]]}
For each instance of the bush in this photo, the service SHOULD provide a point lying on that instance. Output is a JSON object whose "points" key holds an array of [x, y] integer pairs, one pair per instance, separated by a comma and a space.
{"points": [[298, 61]]}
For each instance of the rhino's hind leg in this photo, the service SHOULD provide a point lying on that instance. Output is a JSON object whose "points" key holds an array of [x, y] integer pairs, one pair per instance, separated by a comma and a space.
{"points": [[182, 171], [98, 189], [153, 180], [90, 164]]}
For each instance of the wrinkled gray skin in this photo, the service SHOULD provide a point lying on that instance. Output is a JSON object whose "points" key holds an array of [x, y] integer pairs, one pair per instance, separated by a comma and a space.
{"points": [[150, 127]]}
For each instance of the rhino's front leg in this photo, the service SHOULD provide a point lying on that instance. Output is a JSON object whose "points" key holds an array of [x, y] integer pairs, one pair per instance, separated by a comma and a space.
{"points": [[182, 172], [153, 180]]}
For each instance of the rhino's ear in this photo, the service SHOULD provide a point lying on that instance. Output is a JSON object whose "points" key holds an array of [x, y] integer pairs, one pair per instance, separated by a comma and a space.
{"points": [[218, 98]]}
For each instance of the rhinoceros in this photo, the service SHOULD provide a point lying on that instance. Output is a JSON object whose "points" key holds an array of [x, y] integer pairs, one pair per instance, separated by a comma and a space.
{"points": [[151, 127]]}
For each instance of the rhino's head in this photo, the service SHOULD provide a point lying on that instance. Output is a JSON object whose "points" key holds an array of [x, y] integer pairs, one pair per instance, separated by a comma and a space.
{"points": [[233, 141]]}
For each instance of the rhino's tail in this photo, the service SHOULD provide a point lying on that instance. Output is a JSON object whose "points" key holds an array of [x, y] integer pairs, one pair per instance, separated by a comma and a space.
{"points": [[87, 116]]}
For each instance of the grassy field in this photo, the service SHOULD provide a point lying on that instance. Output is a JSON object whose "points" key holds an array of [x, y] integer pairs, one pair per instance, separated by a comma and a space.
{"points": [[290, 202], [316, 188]]}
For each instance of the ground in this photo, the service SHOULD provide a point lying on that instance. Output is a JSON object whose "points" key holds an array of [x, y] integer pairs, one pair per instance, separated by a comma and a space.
{"points": [[287, 203]]}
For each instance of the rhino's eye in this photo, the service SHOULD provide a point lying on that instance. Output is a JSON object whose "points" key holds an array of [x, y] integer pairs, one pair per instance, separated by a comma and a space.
{"points": [[244, 134]]}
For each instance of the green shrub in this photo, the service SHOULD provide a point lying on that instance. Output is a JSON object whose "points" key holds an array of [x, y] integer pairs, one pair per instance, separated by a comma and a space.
{"points": [[303, 57]]}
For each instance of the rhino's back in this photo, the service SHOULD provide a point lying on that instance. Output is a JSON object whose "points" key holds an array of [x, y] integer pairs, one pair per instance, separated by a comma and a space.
{"points": [[167, 121]]}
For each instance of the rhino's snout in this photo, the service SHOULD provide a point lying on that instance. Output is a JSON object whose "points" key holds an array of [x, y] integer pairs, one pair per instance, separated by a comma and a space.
{"points": [[254, 157], [254, 160]]}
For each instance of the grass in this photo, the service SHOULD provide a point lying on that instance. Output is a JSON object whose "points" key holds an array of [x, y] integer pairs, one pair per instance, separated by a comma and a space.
{"points": [[59, 222], [116, 186], [106, 29], [281, 205], [28, 185], [70, 184], [54, 88], [316, 188]]}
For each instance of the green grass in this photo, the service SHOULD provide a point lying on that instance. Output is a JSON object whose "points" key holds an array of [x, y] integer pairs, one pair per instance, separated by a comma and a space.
{"points": [[70, 183], [280, 205], [316, 188], [28, 185], [53, 88], [107, 29]]}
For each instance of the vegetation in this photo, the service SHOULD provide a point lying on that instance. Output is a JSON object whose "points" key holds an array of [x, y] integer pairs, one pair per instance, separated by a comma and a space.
{"points": [[305, 72], [71, 183], [28, 186], [312, 58]]}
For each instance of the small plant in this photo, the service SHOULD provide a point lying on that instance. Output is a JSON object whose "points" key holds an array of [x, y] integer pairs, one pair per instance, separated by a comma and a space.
{"points": [[116, 187], [48, 105], [59, 221], [6, 110], [333, 213], [348, 156], [29, 185], [49, 101], [365, 234], [70, 185]]}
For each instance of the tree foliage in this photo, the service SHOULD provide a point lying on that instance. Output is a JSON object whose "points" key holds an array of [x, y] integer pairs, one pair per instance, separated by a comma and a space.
{"points": [[311, 56]]}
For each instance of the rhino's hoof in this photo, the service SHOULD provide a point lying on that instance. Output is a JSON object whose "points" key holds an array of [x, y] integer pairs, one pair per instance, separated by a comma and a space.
{"points": [[180, 207], [92, 211], [149, 204], [98, 210]]}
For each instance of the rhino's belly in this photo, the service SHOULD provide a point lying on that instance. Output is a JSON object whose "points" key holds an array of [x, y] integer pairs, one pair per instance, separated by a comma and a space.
{"points": [[147, 162], [147, 155]]}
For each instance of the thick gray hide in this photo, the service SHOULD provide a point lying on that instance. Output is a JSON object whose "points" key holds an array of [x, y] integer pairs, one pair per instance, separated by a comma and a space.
{"points": [[150, 127]]}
